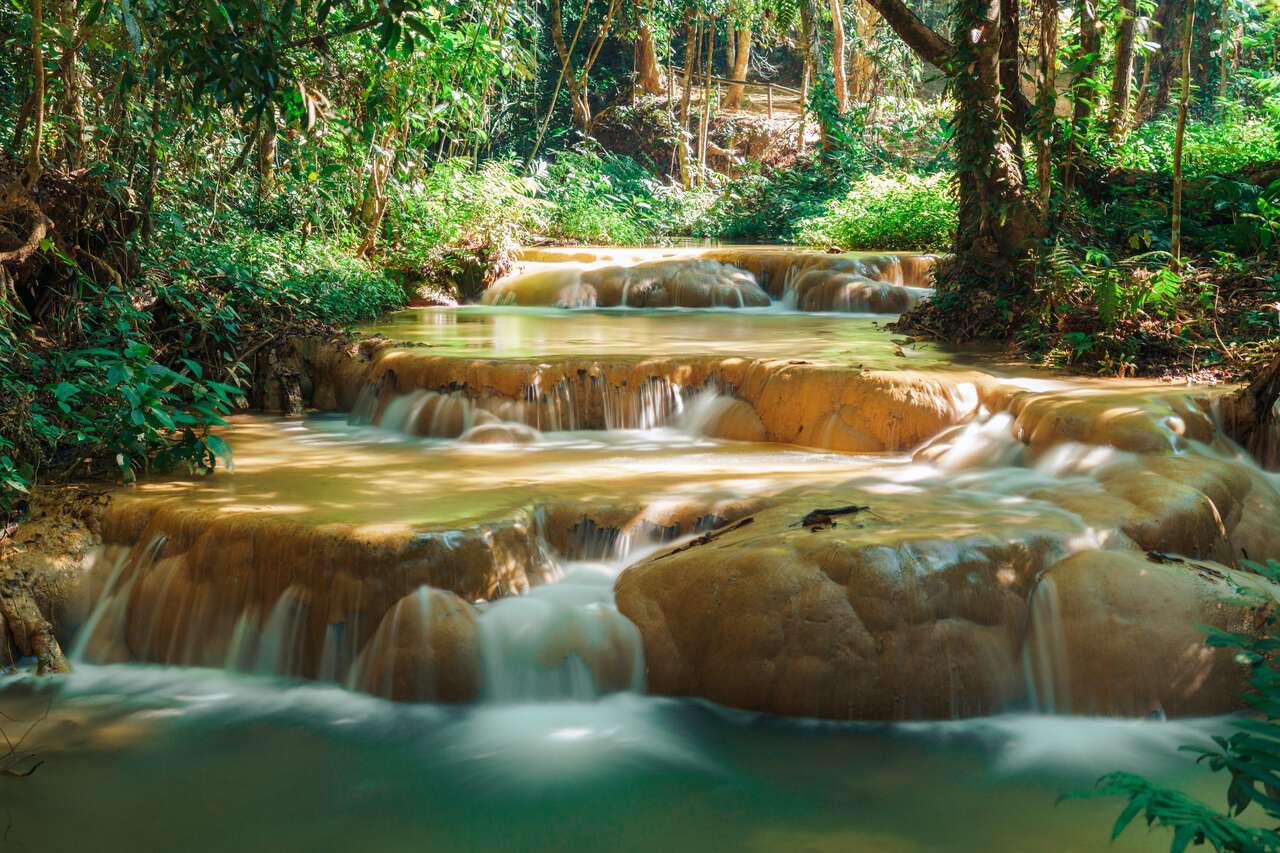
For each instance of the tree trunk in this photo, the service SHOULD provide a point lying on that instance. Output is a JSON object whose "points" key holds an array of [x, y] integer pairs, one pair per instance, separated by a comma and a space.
{"points": [[153, 152], [808, 51], [1175, 239], [861, 68], [705, 124], [996, 223], [692, 29], [1084, 90], [1046, 103], [1010, 73], [1204, 66], [1084, 93], [648, 70], [266, 159], [577, 80], [1163, 64], [373, 206], [837, 56], [741, 36], [72, 88], [1122, 73], [579, 103]]}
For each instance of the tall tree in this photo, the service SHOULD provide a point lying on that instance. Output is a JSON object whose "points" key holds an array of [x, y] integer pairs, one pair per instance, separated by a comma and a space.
{"points": [[1175, 239], [1122, 69], [1046, 103], [997, 221], [648, 69], [577, 73], [810, 51], [838, 56], [738, 50]]}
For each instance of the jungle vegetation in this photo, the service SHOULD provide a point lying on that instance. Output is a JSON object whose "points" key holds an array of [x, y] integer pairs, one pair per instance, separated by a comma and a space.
{"points": [[185, 184]]}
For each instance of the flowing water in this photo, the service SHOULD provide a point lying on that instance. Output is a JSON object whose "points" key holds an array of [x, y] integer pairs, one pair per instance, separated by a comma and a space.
{"points": [[452, 612]]}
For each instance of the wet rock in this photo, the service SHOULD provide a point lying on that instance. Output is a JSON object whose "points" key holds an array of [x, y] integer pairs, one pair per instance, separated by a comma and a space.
{"points": [[910, 611], [918, 606], [426, 649], [1115, 632]]}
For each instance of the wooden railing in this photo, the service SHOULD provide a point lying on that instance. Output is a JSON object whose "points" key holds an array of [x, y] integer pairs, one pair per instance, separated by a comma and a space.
{"points": [[702, 79]]}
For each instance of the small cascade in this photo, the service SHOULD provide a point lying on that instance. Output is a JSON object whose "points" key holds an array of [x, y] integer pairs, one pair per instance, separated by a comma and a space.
{"points": [[563, 639], [986, 441], [1045, 663], [653, 403], [717, 415], [566, 640], [726, 277], [589, 403], [282, 640]]}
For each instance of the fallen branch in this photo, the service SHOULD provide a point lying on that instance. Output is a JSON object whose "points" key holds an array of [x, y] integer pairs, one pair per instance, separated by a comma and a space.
{"points": [[826, 517], [709, 537]]}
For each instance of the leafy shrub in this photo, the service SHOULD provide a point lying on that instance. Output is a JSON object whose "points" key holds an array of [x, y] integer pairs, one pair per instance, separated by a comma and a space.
{"points": [[887, 212], [156, 361], [1234, 138], [488, 211], [771, 207], [597, 197]]}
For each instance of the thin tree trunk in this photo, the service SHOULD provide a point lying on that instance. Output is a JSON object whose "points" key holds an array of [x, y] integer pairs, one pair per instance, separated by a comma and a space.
{"points": [[373, 207], [837, 56], [648, 70], [266, 154], [566, 56], [1046, 103], [1122, 73], [693, 27], [704, 126], [35, 166], [1175, 239], [861, 68], [1083, 91], [808, 48], [153, 152], [741, 38], [72, 88]]}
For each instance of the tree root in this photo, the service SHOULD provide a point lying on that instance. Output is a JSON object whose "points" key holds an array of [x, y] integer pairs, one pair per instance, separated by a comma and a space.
{"points": [[1249, 416], [28, 629]]}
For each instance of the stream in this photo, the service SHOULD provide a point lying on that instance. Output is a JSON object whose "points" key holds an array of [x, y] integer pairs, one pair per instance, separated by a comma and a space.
{"points": [[658, 550]]}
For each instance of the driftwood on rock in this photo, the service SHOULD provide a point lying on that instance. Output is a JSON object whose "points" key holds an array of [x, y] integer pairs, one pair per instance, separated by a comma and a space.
{"points": [[707, 538]]}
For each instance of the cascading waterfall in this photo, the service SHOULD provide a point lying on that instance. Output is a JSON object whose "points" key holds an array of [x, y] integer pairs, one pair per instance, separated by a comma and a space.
{"points": [[560, 640]]}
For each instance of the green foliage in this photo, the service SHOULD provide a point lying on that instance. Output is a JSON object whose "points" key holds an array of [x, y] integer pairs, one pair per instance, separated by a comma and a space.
{"points": [[154, 366], [457, 213], [891, 211], [1120, 289], [1234, 138], [597, 197], [1251, 755]]}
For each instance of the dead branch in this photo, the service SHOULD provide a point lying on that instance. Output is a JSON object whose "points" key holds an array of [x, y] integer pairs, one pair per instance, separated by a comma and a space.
{"points": [[709, 537]]}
